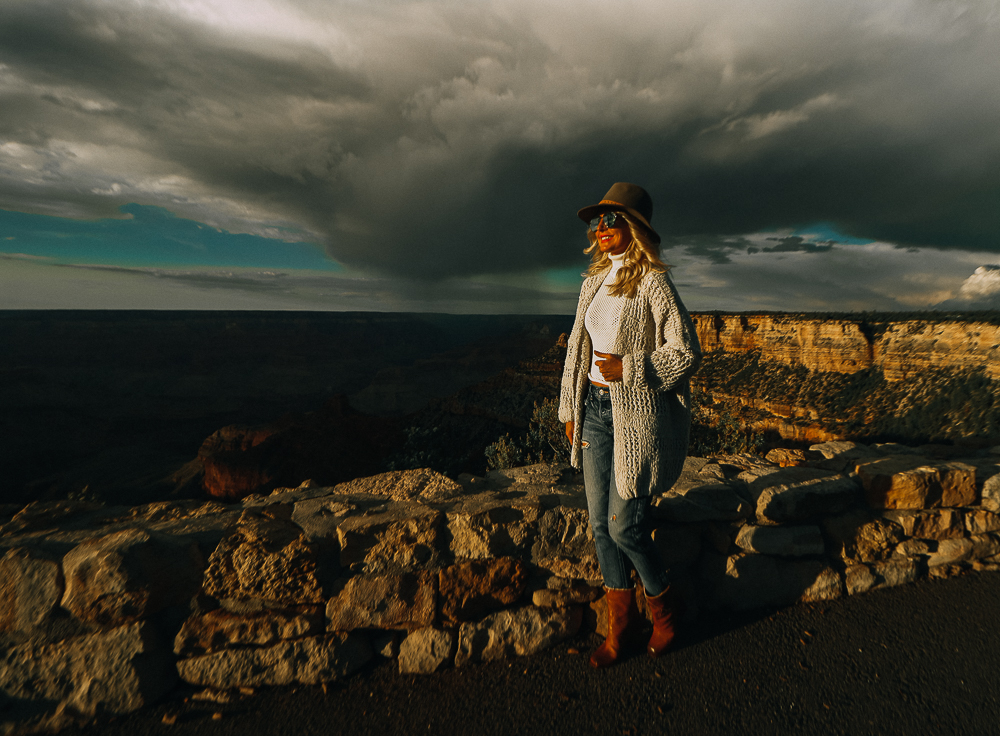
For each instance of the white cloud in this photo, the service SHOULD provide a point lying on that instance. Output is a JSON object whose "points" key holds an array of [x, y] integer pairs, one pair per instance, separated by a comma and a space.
{"points": [[981, 290]]}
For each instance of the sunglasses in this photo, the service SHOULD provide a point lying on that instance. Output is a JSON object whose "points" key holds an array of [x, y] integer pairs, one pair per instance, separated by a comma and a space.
{"points": [[610, 219]]}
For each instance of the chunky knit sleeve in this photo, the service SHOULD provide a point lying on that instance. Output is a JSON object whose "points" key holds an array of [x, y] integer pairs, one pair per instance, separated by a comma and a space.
{"points": [[675, 352], [574, 361]]}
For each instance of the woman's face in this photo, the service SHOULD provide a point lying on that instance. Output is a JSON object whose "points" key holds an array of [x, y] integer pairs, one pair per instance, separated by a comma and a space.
{"points": [[613, 240]]}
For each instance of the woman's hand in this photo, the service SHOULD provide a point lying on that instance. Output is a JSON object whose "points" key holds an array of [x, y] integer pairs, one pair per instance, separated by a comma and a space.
{"points": [[610, 367], [569, 432]]}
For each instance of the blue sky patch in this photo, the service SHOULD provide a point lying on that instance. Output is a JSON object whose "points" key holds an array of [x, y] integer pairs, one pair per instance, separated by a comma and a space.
{"points": [[151, 237], [822, 231]]}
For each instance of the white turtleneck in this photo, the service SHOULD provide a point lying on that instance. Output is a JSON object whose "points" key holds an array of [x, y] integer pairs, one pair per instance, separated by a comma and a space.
{"points": [[601, 319]]}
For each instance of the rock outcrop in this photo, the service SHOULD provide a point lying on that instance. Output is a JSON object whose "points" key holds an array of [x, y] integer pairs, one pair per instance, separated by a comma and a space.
{"points": [[875, 379], [308, 584], [901, 348]]}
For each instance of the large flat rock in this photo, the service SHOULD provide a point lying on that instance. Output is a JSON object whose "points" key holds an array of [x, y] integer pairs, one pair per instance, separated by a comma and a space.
{"points": [[782, 541], [114, 671], [796, 494], [31, 586], [470, 589], [914, 482], [396, 535], [515, 632], [406, 600], [129, 575], [265, 559], [310, 661]]}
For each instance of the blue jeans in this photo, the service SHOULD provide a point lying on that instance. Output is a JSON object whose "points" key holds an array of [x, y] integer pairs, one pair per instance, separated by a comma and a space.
{"points": [[621, 527]]}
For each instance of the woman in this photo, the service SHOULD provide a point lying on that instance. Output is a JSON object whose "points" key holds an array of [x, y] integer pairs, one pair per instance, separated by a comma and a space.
{"points": [[626, 404]]}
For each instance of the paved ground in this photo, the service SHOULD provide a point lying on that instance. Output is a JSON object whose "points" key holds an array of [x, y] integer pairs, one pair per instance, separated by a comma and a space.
{"points": [[911, 660]]}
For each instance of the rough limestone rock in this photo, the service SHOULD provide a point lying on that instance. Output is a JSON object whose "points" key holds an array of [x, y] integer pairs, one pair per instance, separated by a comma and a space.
{"points": [[564, 532], [859, 579], [827, 586], [39, 515], [319, 517], [470, 589], [221, 629], [895, 572], [786, 458], [267, 560], [129, 575], [985, 545], [488, 526], [843, 449], [115, 671], [934, 524], [857, 537], [950, 552], [31, 586], [991, 493], [570, 594], [978, 521], [914, 482], [425, 651], [703, 502], [794, 495], [515, 632], [311, 661], [565, 542], [781, 541], [403, 535], [916, 548], [759, 581], [402, 485], [392, 601]]}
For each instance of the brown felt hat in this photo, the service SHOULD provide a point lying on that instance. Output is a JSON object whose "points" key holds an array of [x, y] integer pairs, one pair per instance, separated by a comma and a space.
{"points": [[624, 197]]}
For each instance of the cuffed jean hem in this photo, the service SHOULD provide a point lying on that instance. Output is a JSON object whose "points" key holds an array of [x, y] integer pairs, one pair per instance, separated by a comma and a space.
{"points": [[621, 526]]}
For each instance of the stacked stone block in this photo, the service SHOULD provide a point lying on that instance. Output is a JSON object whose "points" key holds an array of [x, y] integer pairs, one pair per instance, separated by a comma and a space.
{"points": [[103, 608]]}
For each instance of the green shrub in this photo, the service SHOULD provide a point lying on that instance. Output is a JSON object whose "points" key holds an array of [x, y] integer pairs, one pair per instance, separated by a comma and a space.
{"points": [[721, 431], [544, 441], [504, 453]]}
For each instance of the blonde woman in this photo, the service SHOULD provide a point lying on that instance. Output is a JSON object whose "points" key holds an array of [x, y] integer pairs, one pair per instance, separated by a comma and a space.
{"points": [[626, 402]]}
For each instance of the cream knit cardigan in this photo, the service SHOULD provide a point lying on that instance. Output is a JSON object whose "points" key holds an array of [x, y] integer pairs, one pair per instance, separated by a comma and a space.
{"points": [[651, 405]]}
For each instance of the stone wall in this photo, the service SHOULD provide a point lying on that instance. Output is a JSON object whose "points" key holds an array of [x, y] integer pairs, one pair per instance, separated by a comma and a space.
{"points": [[104, 609], [900, 348]]}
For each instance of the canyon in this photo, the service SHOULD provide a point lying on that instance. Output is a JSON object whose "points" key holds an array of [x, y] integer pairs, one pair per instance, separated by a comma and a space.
{"points": [[814, 378], [901, 348]]}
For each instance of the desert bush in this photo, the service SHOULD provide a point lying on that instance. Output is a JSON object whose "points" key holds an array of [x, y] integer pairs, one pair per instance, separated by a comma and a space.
{"points": [[544, 441], [504, 453], [721, 431]]}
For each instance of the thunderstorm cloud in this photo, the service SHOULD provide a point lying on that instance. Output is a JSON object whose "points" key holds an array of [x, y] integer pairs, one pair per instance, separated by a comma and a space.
{"points": [[444, 139]]}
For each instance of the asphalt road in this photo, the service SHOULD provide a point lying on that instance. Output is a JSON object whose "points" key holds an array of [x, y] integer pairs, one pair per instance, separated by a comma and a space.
{"points": [[918, 659]]}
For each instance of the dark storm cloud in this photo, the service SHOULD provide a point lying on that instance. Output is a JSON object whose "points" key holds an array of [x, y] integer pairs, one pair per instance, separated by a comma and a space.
{"points": [[793, 244], [448, 138]]}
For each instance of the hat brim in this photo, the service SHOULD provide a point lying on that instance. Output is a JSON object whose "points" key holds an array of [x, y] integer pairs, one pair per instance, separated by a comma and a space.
{"points": [[590, 212]]}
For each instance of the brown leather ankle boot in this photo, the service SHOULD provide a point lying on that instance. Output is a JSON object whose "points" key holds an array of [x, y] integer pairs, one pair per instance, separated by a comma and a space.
{"points": [[621, 612], [664, 613]]}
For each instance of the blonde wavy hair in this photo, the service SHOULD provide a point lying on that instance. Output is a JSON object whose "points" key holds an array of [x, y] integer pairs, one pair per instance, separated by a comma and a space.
{"points": [[641, 256]]}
